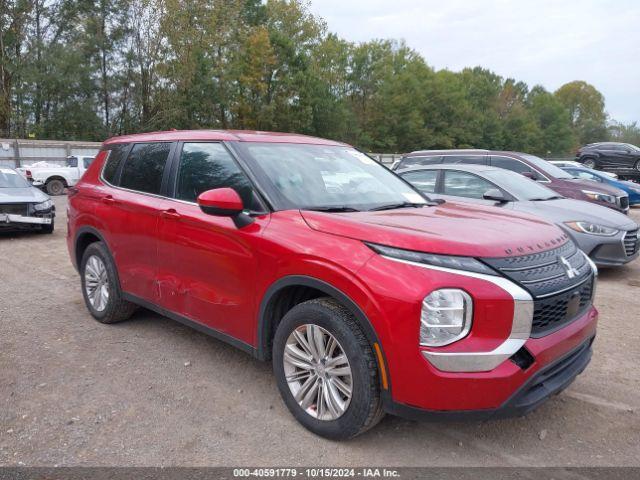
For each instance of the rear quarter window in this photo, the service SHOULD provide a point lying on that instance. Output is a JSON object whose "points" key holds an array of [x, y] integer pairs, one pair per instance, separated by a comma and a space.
{"points": [[114, 159]]}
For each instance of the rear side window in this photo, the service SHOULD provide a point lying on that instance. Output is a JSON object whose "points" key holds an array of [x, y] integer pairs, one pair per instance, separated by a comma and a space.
{"points": [[465, 159], [115, 158], [423, 180], [144, 167], [418, 161], [205, 166]]}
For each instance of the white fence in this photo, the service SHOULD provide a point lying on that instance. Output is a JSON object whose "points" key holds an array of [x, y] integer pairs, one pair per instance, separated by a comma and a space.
{"points": [[22, 153]]}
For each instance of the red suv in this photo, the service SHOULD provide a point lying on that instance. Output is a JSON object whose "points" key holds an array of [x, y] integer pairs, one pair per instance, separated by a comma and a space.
{"points": [[366, 297]]}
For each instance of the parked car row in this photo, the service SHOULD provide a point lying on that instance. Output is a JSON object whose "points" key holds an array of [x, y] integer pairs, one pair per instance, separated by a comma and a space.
{"points": [[367, 296]]}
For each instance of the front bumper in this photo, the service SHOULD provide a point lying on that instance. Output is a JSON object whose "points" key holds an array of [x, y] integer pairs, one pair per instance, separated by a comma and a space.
{"points": [[11, 221], [609, 251], [547, 382]]}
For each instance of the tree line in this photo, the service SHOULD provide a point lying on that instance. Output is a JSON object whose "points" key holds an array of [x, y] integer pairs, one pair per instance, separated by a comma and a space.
{"points": [[90, 69]]}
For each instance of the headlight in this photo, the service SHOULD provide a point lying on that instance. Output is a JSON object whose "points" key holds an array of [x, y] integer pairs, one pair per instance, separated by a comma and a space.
{"points": [[44, 205], [592, 228], [468, 264], [600, 197], [446, 317]]}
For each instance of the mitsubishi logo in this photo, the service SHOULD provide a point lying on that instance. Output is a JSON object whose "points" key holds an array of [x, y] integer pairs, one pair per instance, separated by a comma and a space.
{"points": [[569, 270]]}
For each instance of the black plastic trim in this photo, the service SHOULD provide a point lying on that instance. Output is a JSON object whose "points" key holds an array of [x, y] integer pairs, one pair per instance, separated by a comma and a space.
{"points": [[330, 290], [191, 323]]}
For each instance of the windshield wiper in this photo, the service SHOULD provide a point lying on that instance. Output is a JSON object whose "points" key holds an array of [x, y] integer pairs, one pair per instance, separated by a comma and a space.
{"points": [[393, 206], [332, 208], [555, 197]]}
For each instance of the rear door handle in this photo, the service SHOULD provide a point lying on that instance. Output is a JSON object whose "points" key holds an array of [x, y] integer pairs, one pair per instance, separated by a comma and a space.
{"points": [[108, 199], [170, 214]]}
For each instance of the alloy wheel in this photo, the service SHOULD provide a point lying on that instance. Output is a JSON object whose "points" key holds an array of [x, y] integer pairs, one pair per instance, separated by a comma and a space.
{"points": [[318, 373], [96, 282]]}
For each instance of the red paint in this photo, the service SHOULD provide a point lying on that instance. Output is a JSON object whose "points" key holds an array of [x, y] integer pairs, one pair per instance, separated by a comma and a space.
{"points": [[204, 268], [221, 198]]}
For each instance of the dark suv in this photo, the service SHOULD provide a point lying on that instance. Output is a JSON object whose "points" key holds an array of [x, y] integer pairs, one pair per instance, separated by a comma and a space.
{"points": [[621, 158], [528, 165]]}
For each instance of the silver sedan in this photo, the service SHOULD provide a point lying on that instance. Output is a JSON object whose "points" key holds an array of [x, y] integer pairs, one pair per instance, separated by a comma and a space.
{"points": [[23, 206], [610, 238]]}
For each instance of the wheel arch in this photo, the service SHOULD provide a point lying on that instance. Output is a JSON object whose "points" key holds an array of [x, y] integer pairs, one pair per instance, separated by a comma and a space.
{"points": [[57, 177], [292, 290]]}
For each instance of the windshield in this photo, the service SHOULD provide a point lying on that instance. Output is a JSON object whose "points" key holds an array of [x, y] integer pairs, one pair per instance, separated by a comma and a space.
{"points": [[520, 187], [329, 177], [633, 147], [545, 166], [11, 179]]}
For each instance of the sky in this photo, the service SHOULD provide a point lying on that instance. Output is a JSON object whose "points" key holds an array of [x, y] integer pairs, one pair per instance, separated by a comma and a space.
{"points": [[546, 42]]}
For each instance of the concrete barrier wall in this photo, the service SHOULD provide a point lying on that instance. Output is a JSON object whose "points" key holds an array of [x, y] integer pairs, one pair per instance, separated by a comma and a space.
{"points": [[22, 153]]}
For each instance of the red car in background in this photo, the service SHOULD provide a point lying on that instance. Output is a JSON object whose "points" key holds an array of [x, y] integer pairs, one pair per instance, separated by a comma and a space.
{"points": [[528, 165], [366, 297]]}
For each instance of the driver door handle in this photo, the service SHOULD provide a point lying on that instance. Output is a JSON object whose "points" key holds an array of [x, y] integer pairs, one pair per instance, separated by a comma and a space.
{"points": [[170, 214], [108, 199]]}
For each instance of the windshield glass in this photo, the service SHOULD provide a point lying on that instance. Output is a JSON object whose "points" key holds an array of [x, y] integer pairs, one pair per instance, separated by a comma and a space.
{"points": [[547, 167], [633, 147], [520, 187], [11, 179], [317, 176]]}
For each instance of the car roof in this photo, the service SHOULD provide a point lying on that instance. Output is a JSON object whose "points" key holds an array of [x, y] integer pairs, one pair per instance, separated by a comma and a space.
{"points": [[469, 151], [472, 168], [223, 135]]}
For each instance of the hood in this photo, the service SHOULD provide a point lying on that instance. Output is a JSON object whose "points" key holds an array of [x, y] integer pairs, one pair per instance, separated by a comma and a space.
{"points": [[567, 210], [592, 186], [451, 228], [22, 195]]}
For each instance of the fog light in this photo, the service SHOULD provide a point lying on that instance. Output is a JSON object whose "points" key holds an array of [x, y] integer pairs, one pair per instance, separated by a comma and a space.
{"points": [[446, 317]]}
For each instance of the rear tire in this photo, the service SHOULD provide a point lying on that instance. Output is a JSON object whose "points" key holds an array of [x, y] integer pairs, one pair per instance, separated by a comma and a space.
{"points": [[55, 187], [100, 286], [637, 166], [355, 411], [590, 163]]}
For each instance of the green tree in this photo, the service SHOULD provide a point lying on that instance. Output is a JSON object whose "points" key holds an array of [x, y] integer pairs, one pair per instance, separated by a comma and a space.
{"points": [[585, 105]]}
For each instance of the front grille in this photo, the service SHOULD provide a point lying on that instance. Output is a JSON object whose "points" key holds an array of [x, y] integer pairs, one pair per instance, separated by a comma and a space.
{"points": [[551, 313], [623, 202], [631, 242], [15, 208], [545, 274], [559, 280]]}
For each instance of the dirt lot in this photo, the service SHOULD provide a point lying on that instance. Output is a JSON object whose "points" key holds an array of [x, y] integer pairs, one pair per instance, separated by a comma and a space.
{"points": [[155, 393]]}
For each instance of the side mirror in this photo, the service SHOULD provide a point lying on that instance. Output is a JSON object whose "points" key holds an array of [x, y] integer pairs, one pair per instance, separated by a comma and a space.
{"points": [[495, 195], [529, 175], [224, 202]]}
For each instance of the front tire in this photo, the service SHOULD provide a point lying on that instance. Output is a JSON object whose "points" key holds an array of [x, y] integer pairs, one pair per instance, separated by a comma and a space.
{"points": [[100, 286], [326, 371], [590, 163], [637, 166]]}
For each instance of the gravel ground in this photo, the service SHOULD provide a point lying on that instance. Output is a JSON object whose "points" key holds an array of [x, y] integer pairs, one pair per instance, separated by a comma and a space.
{"points": [[151, 392]]}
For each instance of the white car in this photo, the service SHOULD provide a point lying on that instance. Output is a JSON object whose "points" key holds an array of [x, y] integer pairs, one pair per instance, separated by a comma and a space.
{"points": [[53, 178]]}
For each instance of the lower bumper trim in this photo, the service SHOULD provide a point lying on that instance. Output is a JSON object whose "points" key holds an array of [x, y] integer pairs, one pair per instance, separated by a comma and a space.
{"points": [[549, 381], [10, 218]]}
